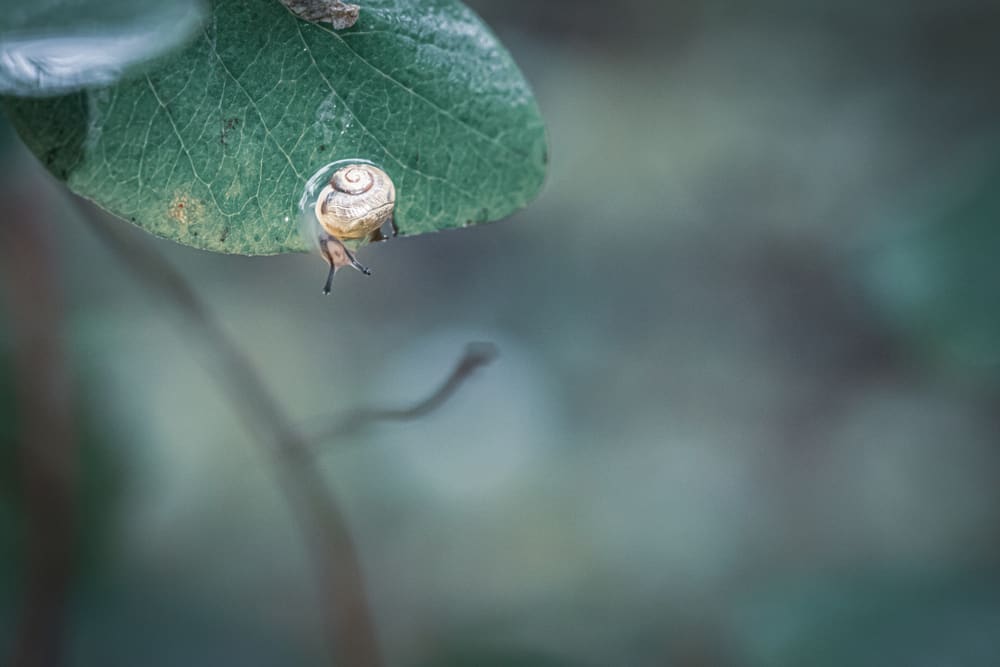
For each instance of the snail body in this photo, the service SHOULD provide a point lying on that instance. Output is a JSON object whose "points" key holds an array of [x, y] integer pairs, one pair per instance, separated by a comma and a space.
{"points": [[356, 202]]}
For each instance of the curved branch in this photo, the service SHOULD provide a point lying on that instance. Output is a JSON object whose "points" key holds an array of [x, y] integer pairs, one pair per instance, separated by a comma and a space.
{"points": [[476, 356], [350, 629]]}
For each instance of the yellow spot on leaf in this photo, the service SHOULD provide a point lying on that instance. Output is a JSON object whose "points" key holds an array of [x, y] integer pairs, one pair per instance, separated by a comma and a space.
{"points": [[235, 191], [185, 210]]}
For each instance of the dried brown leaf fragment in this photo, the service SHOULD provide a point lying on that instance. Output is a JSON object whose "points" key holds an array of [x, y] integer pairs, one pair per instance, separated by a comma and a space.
{"points": [[341, 15]]}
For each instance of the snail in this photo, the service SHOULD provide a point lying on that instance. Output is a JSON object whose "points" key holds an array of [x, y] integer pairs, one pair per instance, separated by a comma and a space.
{"points": [[358, 200]]}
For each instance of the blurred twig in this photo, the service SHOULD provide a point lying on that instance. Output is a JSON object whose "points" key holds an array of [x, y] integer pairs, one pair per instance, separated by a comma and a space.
{"points": [[47, 444], [350, 630], [476, 355]]}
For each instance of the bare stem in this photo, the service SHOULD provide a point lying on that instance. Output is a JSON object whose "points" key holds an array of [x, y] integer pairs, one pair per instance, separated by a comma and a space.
{"points": [[47, 444], [349, 627]]}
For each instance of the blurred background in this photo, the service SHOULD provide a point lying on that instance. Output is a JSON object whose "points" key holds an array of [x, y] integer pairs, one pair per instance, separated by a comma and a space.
{"points": [[747, 404]]}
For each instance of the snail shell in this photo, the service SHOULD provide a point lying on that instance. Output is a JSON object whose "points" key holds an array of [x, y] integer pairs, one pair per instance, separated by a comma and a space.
{"points": [[356, 203]]}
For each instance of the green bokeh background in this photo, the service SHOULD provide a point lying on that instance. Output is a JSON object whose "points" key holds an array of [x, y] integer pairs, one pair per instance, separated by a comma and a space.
{"points": [[745, 411]]}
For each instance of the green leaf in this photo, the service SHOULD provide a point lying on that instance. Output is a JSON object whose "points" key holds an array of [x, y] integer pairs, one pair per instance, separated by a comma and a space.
{"points": [[50, 47], [213, 147]]}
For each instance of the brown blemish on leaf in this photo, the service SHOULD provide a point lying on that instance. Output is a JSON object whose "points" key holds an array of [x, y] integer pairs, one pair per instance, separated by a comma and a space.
{"points": [[341, 15], [227, 125], [186, 210]]}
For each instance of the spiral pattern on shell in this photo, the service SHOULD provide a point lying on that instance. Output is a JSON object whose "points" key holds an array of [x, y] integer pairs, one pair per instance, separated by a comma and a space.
{"points": [[353, 180], [357, 201]]}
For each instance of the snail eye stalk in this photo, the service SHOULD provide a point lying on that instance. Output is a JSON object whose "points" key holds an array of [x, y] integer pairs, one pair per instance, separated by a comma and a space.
{"points": [[358, 265], [329, 280], [338, 256]]}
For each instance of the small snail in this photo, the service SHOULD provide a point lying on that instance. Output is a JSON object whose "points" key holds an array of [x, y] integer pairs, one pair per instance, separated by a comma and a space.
{"points": [[358, 200]]}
